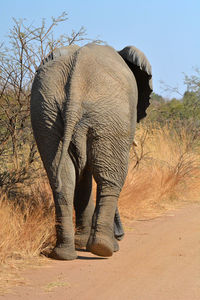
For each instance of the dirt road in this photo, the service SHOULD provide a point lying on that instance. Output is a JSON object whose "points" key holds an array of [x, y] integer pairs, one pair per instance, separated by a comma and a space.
{"points": [[159, 259]]}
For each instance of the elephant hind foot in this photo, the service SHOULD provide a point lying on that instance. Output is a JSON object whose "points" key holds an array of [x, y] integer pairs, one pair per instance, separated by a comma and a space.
{"points": [[102, 246], [116, 245], [62, 252], [81, 241]]}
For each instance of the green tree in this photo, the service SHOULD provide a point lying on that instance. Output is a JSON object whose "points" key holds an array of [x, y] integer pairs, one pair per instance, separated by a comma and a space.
{"points": [[191, 103], [181, 111], [156, 99]]}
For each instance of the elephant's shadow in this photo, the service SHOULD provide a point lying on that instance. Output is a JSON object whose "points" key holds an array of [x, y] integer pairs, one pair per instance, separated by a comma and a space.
{"points": [[83, 257], [90, 258]]}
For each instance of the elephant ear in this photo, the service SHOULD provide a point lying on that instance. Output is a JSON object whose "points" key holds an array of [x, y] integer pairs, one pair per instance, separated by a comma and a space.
{"points": [[141, 68]]}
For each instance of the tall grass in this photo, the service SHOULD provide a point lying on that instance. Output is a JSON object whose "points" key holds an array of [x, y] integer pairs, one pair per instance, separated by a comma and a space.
{"points": [[26, 227], [164, 172], [26, 230], [168, 173]]}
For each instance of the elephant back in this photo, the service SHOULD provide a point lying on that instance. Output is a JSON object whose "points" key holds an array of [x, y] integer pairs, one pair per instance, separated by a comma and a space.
{"points": [[58, 52], [141, 68]]}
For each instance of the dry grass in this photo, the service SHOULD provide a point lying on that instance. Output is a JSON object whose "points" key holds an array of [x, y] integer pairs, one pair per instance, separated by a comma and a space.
{"points": [[26, 230], [164, 172], [168, 174]]}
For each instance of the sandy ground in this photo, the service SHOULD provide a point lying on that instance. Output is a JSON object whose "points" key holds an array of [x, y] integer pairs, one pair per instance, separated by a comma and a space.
{"points": [[158, 259]]}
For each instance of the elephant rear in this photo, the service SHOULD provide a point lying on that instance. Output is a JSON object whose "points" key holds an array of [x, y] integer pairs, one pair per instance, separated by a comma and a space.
{"points": [[84, 114]]}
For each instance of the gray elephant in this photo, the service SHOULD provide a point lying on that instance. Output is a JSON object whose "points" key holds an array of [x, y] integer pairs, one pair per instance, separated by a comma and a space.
{"points": [[85, 102]]}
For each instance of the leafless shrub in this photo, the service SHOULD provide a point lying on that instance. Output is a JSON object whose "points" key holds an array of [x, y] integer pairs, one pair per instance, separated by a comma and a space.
{"points": [[28, 45], [138, 153]]}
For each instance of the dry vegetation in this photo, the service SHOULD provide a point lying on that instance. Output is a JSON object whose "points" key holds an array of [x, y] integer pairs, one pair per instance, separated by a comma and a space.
{"points": [[168, 172], [164, 172]]}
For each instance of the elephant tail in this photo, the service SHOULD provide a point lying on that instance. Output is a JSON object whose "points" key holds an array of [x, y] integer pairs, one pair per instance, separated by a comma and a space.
{"points": [[73, 114]]}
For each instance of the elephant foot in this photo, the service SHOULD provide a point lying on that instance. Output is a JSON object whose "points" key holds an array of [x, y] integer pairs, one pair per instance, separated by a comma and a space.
{"points": [[81, 241], [81, 237], [119, 235], [61, 252], [102, 246], [116, 245]]}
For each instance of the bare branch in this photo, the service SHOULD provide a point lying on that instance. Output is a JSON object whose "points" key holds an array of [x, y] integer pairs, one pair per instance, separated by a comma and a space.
{"points": [[27, 47]]}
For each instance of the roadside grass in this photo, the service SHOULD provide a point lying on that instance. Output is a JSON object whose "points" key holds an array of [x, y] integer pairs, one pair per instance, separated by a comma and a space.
{"points": [[167, 174], [164, 173], [26, 230]]}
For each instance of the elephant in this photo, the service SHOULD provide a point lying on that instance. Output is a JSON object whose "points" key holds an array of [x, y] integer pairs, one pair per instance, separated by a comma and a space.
{"points": [[85, 103]]}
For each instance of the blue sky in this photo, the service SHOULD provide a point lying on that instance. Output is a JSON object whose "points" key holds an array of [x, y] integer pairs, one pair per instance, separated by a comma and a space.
{"points": [[168, 32]]}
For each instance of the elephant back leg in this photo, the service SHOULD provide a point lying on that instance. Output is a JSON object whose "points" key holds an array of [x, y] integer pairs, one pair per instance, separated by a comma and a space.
{"points": [[109, 170], [118, 227], [84, 208], [48, 139]]}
